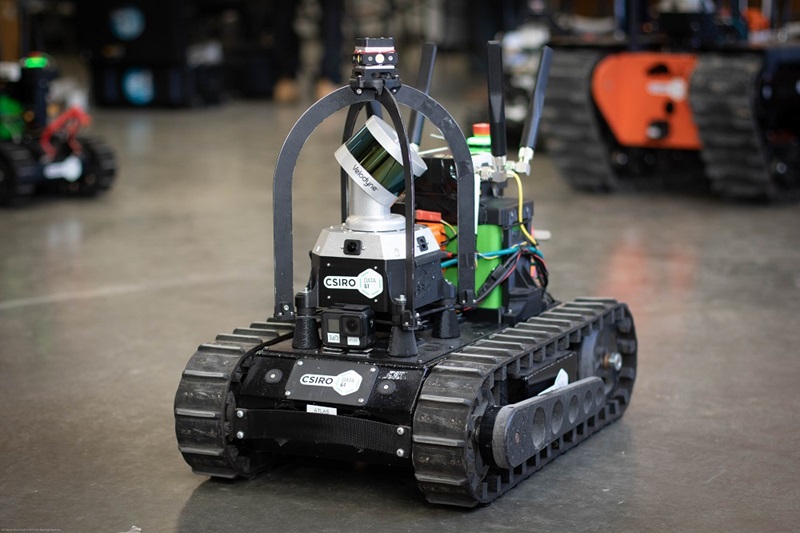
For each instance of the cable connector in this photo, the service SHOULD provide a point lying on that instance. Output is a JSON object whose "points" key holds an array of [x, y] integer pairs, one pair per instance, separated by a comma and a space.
{"points": [[524, 158]]}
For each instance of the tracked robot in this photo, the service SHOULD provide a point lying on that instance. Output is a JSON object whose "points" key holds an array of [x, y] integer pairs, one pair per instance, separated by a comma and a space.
{"points": [[42, 143], [426, 336], [711, 99]]}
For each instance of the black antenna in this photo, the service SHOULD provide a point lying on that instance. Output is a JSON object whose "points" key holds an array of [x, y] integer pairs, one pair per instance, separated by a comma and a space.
{"points": [[635, 13], [531, 129], [497, 112], [417, 119]]}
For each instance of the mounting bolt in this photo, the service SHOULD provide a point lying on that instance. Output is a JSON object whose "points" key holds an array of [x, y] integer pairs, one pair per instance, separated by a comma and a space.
{"points": [[614, 360], [400, 452], [401, 431], [288, 393], [299, 363], [361, 400], [240, 434], [239, 413], [285, 307], [373, 369], [359, 91]]}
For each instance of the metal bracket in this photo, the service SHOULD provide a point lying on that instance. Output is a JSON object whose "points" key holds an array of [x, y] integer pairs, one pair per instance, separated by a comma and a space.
{"points": [[287, 160]]}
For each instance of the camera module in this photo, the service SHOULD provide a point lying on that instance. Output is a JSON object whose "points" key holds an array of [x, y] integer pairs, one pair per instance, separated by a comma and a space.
{"points": [[348, 326]]}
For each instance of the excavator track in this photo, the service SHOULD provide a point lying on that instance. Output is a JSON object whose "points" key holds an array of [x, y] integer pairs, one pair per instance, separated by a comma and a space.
{"points": [[446, 455], [204, 400], [571, 126], [735, 154]]}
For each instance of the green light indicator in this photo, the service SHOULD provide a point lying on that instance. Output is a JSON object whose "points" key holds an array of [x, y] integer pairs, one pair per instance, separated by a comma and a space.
{"points": [[35, 62]]}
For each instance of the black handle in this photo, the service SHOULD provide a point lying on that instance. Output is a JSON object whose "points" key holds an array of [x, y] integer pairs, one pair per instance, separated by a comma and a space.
{"points": [[416, 120], [374, 109], [531, 129], [497, 112]]}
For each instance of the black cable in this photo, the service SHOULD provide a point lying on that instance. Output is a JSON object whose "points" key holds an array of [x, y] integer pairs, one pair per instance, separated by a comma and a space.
{"points": [[498, 276], [541, 270]]}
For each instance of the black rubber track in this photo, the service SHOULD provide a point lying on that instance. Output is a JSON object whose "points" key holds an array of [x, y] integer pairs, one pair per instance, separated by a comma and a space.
{"points": [[445, 452], [204, 401], [735, 153], [570, 124]]}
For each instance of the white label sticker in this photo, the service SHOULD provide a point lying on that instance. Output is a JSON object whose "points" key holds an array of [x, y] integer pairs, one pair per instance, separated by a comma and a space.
{"points": [[352, 341], [321, 409], [345, 383], [562, 380], [70, 169], [333, 338], [369, 283], [676, 88]]}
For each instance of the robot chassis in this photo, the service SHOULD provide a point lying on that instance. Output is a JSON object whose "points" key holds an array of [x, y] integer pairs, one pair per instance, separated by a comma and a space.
{"points": [[409, 370]]}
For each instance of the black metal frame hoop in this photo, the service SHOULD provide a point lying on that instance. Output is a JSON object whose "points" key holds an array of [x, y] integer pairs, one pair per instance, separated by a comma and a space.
{"points": [[287, 160]]}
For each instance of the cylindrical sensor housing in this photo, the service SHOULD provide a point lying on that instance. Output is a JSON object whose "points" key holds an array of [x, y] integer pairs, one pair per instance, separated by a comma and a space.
{"points": [[373, 160]]}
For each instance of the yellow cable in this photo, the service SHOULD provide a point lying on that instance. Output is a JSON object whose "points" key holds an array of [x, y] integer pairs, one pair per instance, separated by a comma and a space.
{"points": [[449, 226], [519, 209]]}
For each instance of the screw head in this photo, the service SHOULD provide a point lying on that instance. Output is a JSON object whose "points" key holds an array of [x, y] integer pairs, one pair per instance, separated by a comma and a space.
{"points": [[239, 413], [615, 361], [240, 434], [401, 431], [400, 452]]}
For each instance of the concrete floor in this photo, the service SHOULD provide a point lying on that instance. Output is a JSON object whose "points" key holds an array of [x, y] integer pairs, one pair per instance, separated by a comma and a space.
{"points": [[103, 301]]}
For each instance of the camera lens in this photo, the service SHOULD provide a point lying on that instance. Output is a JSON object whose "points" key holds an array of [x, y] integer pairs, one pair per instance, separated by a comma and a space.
{"points": [[352, 247], [351, 326]]}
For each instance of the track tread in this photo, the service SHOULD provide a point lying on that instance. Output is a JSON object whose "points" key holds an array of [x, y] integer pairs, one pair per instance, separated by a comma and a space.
{"points": [[570, 126], [444, 461], [735, 153], [202, 401]]}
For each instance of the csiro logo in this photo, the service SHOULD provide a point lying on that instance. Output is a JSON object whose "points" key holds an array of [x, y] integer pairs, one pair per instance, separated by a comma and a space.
{"points": [[344, 384], [369, 283]]}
